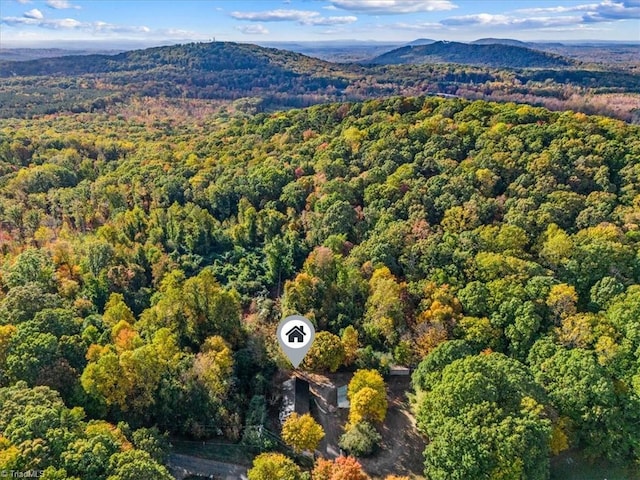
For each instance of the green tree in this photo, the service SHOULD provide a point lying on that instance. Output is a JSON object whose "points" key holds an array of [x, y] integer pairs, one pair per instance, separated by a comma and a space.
{"points": [[136, 464], [360, 440], [31, 266], [485, 418], [326, 353], [153, 442], [21, 303], [384, 317], [90, 456], [37, 423], [279, 259], [582, 391], [116, 311], [195, 309]]}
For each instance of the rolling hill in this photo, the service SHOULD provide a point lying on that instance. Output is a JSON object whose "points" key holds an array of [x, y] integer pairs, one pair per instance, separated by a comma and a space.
{"points": [[218, 70], [502, 41], [194, 57], [221, 73], [491, 55], [422, 41]]}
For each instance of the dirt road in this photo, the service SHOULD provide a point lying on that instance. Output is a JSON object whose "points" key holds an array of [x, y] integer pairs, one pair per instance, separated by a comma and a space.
{"points": [[181, 466]]}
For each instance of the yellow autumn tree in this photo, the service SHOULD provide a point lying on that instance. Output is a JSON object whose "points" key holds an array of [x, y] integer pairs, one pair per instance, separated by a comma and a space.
{"points": [[302, 432], [271, 466], [384, 317], [6, 332], [116, 311], [349, 341], [368, 397], [562, 301], [213, 366]]}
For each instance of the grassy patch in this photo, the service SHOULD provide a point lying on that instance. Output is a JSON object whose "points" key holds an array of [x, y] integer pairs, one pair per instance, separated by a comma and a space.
{"points": [[215, 450]]}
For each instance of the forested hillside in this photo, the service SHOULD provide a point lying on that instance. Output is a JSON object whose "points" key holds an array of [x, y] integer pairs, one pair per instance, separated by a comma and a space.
{"points": [[277, 79], [495, 54], [144, 266], [218, 70]]}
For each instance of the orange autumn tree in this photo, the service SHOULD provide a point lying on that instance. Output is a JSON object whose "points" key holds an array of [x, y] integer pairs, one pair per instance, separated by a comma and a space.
{"points": [[342, 468]]}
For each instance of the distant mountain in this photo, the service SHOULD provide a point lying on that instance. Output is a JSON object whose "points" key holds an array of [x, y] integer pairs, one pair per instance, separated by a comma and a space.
{"points": [[249, 78], [214, 71], [502, 41], [491, 55], [336, 51], [422, 41], [22, 54], [196, 57]]}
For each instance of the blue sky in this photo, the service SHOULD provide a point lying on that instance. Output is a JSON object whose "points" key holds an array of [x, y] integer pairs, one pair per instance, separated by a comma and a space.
{"points": [[93, 22]]}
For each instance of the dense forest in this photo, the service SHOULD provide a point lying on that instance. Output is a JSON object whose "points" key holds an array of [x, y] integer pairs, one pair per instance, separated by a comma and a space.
{"points": [[276, 79], [144, 266]]}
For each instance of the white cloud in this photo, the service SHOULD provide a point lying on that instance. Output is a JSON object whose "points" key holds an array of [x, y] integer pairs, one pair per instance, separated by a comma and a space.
{"points": [[255, 29], [478, 19], [611, 11], [60, 4], [97, 27], [332, 20], [177, 32], [392, 7], [23, 1], [420, 27], [530, 23], [104, 27], [303, 17], [559, 9], [65, 23], [279, 15], [606, 10], [556, 18], [32, 29], [33, 13], [53, 24]]}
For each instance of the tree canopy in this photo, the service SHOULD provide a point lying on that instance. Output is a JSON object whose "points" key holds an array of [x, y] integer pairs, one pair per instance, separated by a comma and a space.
{"points": [[145, 261]]}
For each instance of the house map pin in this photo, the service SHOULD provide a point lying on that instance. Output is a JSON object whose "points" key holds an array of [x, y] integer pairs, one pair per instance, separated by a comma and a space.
{"points": [[295, 335]]}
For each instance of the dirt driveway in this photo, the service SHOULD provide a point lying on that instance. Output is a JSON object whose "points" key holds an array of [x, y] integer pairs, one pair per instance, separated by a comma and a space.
{"points": [[402, 447]]}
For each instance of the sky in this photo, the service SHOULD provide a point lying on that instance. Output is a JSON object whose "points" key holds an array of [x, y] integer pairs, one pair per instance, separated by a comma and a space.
{"points": [[87, 23]]}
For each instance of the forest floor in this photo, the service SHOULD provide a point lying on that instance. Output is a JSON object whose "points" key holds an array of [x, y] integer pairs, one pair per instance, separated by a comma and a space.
{"points": [[402, 446]]}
